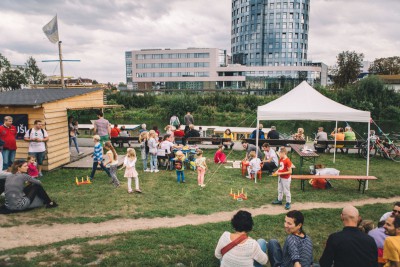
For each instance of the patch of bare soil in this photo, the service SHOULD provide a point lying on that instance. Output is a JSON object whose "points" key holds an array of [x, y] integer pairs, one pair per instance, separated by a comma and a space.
{"points": [[34, 235]]}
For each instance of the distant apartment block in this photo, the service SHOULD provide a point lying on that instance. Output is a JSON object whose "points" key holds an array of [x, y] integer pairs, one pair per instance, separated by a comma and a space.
{"points": [[209, 69]]}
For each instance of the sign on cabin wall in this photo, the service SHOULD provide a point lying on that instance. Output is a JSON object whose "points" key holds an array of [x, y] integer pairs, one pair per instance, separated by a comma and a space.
{"points": [[20, 121]]}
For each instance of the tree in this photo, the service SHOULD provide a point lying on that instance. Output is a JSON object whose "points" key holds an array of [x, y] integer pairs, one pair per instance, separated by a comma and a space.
{"points": [[385, 66], [32, 72], [4, 63], [12, 79], [348, 68]]}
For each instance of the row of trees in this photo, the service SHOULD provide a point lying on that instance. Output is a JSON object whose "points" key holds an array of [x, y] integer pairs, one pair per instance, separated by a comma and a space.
{"points": [[349, 64], [13, 78]]}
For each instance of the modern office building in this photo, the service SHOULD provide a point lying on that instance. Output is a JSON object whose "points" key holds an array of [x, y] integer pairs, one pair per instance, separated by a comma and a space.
{"points": [[270, 32], [209, 69]]}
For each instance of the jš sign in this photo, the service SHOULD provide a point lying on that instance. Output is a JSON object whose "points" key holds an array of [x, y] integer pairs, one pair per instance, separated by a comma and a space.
{"points": [[20, 121]]}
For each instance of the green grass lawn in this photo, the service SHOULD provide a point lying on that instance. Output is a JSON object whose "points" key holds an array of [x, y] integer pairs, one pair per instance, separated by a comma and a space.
{"points": [[181, 246], [162, 196]]}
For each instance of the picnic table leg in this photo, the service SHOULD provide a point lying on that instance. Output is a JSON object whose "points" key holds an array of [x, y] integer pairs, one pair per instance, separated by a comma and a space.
{"points": [[302, 185]]}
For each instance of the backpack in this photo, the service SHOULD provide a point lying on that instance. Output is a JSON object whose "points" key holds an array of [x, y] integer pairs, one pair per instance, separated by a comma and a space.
{"points": [[178, 164], [30, 130], [175, 122]]}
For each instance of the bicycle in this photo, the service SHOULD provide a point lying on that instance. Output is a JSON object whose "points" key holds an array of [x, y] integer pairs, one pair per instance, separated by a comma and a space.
{"points": [[385, 148]]}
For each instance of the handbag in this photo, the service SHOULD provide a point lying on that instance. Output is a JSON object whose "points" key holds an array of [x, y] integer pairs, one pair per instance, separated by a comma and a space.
{"points": [[233, 244]]}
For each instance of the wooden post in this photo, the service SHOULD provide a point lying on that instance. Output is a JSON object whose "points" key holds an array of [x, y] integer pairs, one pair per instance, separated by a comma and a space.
{"points": [[61, 65]]}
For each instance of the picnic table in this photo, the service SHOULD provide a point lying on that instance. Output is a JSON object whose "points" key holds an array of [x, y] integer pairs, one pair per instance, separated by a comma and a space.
{"points": [[305, 155]]}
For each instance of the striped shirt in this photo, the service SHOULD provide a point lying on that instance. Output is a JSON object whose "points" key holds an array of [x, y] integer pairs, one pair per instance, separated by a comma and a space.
{"points": [[299, 249], [98, 152]]}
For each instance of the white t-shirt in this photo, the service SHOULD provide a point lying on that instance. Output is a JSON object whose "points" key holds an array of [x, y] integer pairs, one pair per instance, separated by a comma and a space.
{"points": [[167, 145], [255, 165], [272, 154], [36, 146]]}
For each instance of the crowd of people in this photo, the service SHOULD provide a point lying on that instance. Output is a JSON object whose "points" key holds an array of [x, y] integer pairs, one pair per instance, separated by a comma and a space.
{"points": [[355, 246]]}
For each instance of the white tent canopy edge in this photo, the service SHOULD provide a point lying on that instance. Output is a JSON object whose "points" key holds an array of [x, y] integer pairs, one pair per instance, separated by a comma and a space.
{"points": [[305, 103]]}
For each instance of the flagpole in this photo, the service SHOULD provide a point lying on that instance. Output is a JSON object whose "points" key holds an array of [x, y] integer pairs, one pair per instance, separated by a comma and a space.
{"points": [[61, 65]]}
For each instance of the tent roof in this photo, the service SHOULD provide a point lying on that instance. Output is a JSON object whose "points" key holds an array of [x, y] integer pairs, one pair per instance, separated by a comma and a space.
{"points": [[306, 103]]}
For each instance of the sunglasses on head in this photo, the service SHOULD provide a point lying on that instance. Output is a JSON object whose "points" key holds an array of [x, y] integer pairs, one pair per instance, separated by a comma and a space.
{"points": [[396, 211]]}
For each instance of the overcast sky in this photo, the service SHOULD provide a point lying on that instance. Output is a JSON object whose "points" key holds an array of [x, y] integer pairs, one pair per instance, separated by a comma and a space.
{"points": [[99, 32]]}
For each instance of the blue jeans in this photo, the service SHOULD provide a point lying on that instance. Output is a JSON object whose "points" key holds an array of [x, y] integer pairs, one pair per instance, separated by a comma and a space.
{"points": [[181, 175], [263, 246], [144, 163], [275, 254], [94, 168], [8, 158], [153, 162], [73, 138]]}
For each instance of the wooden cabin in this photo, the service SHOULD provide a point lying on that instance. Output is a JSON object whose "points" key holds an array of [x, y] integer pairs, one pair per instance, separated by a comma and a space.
{"points": [[50, 106]]}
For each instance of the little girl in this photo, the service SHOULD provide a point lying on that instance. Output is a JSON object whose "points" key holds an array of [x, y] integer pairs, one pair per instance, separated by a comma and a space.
{"points": [[179, 166], [254, 166], [144, 149], [201, 167], [112, 159], [32, 169], [130, 172], [153, 145]]}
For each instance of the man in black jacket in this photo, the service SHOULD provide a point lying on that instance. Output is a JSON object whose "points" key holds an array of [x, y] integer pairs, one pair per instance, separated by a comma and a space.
{"points": [[273, 134], [191, 133], [350, 247]]}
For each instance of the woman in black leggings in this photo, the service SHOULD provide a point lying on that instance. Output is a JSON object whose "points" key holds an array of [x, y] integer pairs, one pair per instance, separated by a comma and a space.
{"points": [[20, 197]]}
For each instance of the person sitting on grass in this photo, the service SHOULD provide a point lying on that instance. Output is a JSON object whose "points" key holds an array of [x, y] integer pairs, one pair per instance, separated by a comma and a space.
{"points": [[238, 249], [220, 156], [19, 197], [254, 165], [298, 247]]}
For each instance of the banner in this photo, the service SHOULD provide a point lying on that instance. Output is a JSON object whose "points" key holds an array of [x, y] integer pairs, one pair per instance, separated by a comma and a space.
{"points": [[51, 30], [20, 121]]}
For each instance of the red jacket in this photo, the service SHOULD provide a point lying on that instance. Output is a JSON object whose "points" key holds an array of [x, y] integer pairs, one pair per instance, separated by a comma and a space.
{"points": [[8, 134]]}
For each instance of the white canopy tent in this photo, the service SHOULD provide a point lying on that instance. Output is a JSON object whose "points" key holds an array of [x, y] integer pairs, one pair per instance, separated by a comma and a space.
{"points": [[305, 103]]}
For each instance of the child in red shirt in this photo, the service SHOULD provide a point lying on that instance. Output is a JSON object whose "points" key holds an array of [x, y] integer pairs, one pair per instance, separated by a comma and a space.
{"points": [[32, 169], [284, 172]]}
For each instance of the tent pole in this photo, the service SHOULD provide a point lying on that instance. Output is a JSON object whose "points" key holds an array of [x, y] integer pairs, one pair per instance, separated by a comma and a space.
{"points": [[257, 134], [368, 146], [334, 147]]}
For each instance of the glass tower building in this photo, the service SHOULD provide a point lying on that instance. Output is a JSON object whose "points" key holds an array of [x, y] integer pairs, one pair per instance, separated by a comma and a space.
{"points": [[270, 32]]}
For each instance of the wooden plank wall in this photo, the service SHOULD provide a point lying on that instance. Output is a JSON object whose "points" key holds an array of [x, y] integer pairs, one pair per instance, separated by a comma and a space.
{"points": [[54, 115], [56, 119]]}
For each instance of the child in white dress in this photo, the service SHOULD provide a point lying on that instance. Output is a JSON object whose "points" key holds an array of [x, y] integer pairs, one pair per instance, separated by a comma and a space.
{"points": [[130, 171]]}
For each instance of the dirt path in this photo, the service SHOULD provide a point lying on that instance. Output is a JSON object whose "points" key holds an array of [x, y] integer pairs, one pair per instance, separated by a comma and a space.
{"points": [[34, 235]]}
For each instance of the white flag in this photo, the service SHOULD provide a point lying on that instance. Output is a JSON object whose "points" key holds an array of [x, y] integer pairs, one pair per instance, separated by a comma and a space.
{"points": [[51, 30]]}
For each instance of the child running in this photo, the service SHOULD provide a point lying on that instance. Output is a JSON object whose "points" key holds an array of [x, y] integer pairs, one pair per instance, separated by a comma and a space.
{"points": [[153, 146], [98, 157], [32, 169], [254, 165], [201, 166], [112, 159], [144, 149], [284, 171], [130, 172], [180, 166]]}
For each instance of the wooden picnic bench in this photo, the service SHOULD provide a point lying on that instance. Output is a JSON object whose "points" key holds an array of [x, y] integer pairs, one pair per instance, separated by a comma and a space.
{"points": [[328, 144], [275, 142], [360, 178], [121, 140], [213, 140]]}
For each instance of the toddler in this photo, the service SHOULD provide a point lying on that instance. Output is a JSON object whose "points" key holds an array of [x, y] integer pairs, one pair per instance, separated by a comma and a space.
{"points": [[112, 160], [180, 166], [201, 166], [32, 167], [254, 165], [130, 171]]}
